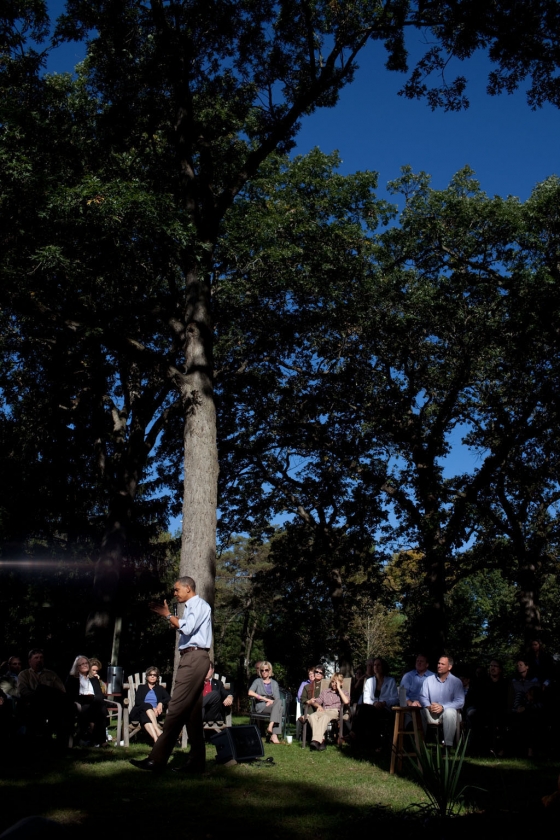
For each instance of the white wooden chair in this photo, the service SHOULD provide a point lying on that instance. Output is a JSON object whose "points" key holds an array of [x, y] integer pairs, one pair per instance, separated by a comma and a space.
{"points": [[215, 725], [132, 728]]}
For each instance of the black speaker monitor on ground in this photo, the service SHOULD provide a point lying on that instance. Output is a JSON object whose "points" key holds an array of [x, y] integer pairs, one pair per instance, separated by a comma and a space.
{"points": [[238, 743]]}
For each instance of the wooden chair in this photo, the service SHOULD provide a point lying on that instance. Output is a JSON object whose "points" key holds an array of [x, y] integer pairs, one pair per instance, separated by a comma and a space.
{"points": [[132, 728], [212, 725], [345, 713], [113, 709], [258, 718]]}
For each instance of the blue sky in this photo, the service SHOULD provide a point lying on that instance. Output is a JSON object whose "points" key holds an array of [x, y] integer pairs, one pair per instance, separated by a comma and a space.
{"points": [[510, 147]]}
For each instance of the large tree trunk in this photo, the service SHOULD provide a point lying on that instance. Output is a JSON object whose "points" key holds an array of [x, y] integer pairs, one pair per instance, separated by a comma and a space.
{"points": [[198, 547], [341, 620], [528, 592], [433, 632]]}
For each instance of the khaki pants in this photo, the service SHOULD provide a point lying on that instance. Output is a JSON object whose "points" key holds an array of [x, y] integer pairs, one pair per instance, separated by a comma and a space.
{"points": [[185, 708], [449, 721], [319, 722]]}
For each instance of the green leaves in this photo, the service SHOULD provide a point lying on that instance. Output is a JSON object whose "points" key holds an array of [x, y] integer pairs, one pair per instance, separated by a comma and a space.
{"points": [[439, 776]]}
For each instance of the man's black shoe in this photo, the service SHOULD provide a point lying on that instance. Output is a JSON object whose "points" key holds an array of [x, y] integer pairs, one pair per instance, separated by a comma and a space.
{"points": [[322, 747], [189, 768], [314, 745], [147, 764]]}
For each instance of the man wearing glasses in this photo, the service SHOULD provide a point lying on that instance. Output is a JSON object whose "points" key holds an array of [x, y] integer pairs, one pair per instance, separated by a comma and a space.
{"points": [[312, 691]]}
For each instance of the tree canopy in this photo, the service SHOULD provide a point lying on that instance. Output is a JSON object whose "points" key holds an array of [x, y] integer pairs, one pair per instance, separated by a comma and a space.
{"points": [[118, 188]]}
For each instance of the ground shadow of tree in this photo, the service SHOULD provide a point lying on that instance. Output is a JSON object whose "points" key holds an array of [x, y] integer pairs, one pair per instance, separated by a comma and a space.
{"points": [[95, 793]]}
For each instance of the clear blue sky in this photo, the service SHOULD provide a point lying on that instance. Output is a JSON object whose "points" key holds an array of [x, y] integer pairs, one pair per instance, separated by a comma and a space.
{"points": [[510, 147]]}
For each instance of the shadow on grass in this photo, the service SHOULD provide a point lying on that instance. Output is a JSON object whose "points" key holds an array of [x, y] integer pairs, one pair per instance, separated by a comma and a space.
{"points": [[97, 792], [507, 792]]}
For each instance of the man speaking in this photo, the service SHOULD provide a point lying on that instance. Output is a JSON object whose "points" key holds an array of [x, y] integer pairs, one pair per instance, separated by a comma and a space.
{"points": [[195, 639]]}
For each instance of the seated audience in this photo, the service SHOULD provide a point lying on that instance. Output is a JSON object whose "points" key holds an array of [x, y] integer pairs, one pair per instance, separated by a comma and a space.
{"points": [[522, 682], [308, 681], [441, 698], [93, 714], [94, 669], [43, 702], [357, 685], [468, 677], [150, 699], [266, 692], [327, 707], [6, 718], [380, 695], [414, 680], [540, 662], [216, 698], [526, 708], [486, 708], [9, 673], [312, 690]]}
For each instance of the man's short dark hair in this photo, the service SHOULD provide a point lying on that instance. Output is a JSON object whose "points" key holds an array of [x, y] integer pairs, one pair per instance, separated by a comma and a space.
{"points": [[33, 651], [448, 657], [187, 581]]}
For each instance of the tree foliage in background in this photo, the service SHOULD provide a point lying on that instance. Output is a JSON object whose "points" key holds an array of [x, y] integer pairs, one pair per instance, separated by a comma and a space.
{"points": [[437, 325], [186, 101], [115, 192]]}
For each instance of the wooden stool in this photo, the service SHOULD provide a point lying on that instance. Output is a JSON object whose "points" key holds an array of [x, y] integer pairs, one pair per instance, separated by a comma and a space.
{"points": [[398, 751]]}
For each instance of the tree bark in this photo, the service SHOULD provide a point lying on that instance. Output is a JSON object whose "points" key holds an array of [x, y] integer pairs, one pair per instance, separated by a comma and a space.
{"points": [[434, 630], [341, 622], [528, 583], [200, 500]]}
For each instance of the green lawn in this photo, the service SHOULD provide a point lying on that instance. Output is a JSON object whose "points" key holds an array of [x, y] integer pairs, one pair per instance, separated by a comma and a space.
{"points": [[308, 796]]}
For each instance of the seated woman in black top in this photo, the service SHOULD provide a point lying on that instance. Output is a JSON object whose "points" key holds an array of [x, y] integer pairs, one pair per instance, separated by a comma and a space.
{"points": [[92, 719], [150, 699]]}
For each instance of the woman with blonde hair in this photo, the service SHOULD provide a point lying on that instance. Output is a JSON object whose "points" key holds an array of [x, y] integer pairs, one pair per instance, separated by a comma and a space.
{"points": [[94, 669], [93, 714], [328, 705], [266, 692]]}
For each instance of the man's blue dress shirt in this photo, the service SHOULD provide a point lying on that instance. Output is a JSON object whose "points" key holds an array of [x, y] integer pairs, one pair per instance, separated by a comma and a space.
{"points": [[196, 625]]}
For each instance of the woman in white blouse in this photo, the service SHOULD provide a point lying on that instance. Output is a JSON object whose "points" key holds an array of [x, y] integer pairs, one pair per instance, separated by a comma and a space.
{"points": [[380, 694]]}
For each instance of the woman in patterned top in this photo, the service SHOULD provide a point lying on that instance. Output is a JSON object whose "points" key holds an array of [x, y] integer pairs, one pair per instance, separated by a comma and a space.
{"points": [[327, 705]]}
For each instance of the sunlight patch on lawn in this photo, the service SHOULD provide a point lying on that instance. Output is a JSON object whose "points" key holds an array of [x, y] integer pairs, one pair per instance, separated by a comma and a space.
{"points": [[102, 768], [66, 816]]}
